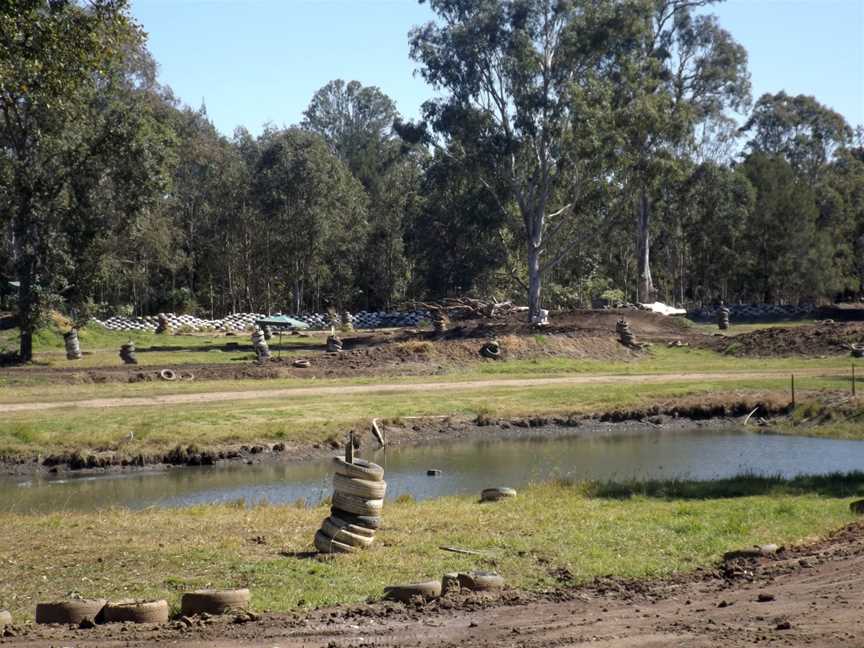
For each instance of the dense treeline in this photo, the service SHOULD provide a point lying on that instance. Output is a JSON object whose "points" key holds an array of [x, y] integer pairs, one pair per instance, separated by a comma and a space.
{"points": [[588, 148]]}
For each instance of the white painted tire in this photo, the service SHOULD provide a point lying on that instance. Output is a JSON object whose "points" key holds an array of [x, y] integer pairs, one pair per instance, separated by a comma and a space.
{"points": [[325, 544], [214, 601], [342, 534], [357, 505], [358, 470], [359, 487]]}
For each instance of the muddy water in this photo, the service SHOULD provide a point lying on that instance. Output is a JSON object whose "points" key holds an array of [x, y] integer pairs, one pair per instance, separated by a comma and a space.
{"points": [[467, 467]]}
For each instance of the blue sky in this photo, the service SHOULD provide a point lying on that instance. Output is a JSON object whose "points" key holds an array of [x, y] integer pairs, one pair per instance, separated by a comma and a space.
{"points": [[259, 61]]}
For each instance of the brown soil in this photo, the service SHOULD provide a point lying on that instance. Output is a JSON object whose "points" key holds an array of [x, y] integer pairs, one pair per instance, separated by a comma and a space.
{"points": [[809, 340], [807, 595], [336, 390], [577, 334]]}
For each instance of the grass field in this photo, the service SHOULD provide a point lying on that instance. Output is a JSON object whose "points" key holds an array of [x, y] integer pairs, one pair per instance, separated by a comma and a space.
{"points": [[101, 346], [551, 535], [308, 418]]}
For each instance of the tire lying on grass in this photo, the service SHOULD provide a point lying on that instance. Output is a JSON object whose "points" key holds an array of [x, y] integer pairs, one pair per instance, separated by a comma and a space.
{"points": [[342, 534], [404, 593], [367, 521], [357, 505], [137, 611], [325, 544], [70, 611], [214, 601], [495, 494], [359, 487], [360, 469]]}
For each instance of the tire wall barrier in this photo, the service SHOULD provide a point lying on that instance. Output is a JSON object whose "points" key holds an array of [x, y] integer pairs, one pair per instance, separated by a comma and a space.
{"points": [[245, 321]]}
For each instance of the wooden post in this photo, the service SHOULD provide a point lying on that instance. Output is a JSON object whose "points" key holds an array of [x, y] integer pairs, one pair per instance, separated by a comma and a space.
{"points": [[349, 448], [793, 391], [853, 380]]}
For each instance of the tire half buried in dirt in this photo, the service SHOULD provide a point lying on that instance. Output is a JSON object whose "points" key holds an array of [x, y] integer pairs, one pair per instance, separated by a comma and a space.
{"points": [[5, 618], [359, 487], [70, 611], [360, 469], [404, 593], [481, 581], [214, 601], [137, 612]]}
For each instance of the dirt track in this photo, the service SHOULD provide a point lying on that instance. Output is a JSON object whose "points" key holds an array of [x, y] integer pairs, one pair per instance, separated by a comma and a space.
{"points": [[212, 397], [814, 599]]}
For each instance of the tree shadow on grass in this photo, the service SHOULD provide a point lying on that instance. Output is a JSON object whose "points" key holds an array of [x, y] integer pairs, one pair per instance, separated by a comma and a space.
{"points": [[830, 485]]}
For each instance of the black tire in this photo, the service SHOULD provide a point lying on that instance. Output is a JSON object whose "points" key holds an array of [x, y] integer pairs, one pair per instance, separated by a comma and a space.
{"points": [[367, 521], [351, 528], [137, 612], [360, 469], [70, 611], [214, 601]]}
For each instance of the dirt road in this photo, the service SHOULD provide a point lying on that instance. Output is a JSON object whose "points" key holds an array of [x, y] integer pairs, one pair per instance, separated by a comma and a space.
{"points": [[809, 596], [259, 394]]}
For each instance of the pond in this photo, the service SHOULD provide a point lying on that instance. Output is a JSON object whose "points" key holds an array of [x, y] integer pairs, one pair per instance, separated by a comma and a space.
{"points": [[467, 467]]}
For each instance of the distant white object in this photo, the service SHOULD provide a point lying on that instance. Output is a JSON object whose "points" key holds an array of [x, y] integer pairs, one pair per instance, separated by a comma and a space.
{"points": [[542, 319], [664, 309]]}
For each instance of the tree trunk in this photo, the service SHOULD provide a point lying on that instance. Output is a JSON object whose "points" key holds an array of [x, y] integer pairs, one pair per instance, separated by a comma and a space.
{"points": [[533, 281], [645, 289]]}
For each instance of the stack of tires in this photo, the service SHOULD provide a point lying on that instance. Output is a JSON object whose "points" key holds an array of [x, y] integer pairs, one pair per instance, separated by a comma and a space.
{"points": [[127, 353], [723, 318], [624, 333], [334, 344], [440, 321], [262, 351], [355, 515], [73, 347]]}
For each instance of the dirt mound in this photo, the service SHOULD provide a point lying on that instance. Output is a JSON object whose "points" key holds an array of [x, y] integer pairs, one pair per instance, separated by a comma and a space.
{"points": [[809, 340], [399, 352]]}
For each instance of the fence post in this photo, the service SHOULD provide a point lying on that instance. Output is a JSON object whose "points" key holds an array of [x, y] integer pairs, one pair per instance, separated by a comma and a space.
{"points": [[793, 391]]}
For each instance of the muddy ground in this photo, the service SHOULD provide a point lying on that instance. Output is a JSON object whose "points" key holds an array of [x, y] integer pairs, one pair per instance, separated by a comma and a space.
{"points": [[808, 595]]}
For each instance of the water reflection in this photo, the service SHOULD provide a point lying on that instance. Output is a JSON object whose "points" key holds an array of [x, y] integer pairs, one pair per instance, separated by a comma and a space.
{"points": [[467, 468]]}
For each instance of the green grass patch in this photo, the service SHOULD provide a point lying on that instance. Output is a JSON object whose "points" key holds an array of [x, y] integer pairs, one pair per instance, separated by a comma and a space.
{"points": [[309, 417], [584, 530]]}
